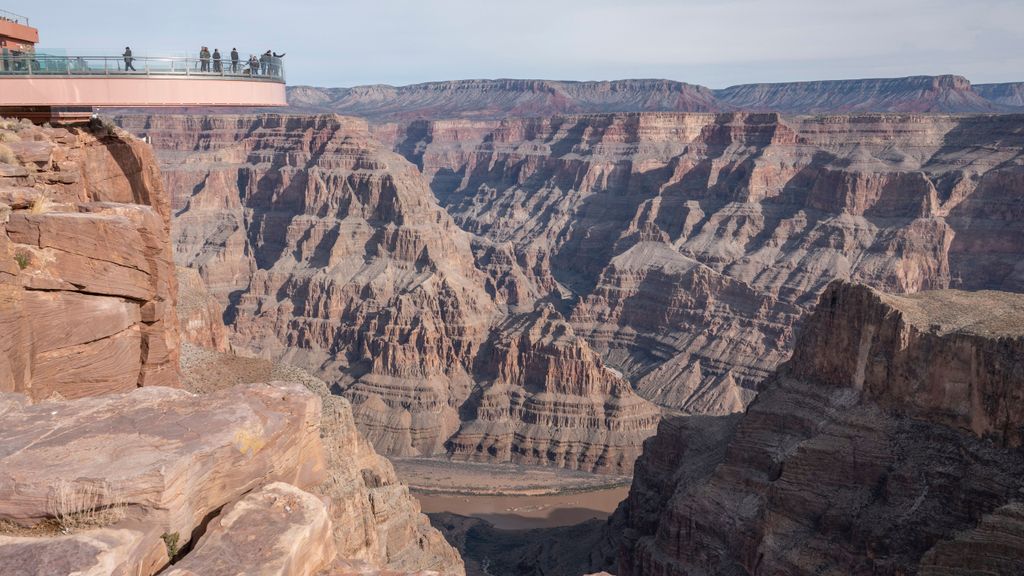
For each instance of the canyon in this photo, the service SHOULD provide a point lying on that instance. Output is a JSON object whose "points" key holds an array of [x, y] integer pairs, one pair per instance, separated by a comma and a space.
{"points": [[541, 290]]}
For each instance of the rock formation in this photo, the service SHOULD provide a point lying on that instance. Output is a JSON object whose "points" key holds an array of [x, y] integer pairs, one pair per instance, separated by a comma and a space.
{"points": [[548, 398], [949, 94], [1007, 94], [888, 444], [200, 314], [105, 467], [685, 247], [492, 99], [499, 99], [328, 251], [86, 278]]}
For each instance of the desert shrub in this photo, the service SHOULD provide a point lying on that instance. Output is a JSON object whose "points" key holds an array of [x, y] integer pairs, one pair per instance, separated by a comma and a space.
{"points": [[7, 155], [80, 505], [9, 137], [23, 259]]}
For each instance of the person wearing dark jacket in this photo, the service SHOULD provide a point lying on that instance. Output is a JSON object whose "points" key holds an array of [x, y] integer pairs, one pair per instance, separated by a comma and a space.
{"points": [[265, 62], [216, 60], [234, 60], [128, 59], [204, 59], [275, 64], [254, 65]]}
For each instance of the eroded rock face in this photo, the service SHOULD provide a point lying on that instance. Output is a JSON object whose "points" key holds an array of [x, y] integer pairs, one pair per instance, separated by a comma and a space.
{"points": [[498, 99], [376, 523], [86, 277], [950, 94], [193, 456], [694, 243], [277, 530], [550, 399], [200, 315], [851, 460], [490, 99], [330, 252]]}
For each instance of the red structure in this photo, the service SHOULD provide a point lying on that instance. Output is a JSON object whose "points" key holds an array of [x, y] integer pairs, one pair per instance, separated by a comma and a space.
{"points": [[50, 87]]}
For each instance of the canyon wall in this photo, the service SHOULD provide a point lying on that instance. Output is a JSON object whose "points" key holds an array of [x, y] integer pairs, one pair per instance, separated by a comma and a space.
{"points": [[86, 276], [662, 255], [887, 445], [685, 247], [329, 251]]}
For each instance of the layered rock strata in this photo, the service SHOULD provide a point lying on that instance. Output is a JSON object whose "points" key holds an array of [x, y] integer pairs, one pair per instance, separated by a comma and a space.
{"points": [[886, 445], [328, 251], [499, 99], [376, 523], [86, 277], [549, 399], [685, 247]]}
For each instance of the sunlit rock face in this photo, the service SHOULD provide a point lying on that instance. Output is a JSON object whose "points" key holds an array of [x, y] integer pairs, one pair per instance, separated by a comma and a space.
{"points": [[329, 251], [685, 248], [87, 287]]}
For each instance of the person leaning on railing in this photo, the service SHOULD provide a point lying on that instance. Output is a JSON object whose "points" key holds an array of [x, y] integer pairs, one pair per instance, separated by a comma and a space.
{"points": [[234, 60]]}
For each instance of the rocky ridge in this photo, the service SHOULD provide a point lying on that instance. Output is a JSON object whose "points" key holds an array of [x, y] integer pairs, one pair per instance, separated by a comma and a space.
{"points": [[886, 445], [505, 98]]}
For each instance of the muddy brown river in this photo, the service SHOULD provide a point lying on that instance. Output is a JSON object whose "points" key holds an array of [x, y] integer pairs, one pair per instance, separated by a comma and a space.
{"points": [[525, 512]]}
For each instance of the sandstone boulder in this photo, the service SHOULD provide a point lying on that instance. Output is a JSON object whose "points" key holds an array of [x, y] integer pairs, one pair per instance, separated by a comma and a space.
{"points": [[161, 456], [278, 530]]}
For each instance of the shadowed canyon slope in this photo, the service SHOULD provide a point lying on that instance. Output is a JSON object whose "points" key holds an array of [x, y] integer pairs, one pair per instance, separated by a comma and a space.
{"points": [[888, 444], [496, 99], [329, 251]]}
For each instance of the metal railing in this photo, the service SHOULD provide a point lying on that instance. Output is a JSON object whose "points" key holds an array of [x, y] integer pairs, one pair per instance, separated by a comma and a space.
{"points": [[37, 64], [12, 17]]}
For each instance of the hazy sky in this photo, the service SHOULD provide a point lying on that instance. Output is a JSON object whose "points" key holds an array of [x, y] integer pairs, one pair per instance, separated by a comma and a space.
{"points": [[716, 43]]}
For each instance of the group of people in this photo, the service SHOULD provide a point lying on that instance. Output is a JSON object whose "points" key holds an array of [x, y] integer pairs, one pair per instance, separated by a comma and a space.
{"points": [[268, 64]]}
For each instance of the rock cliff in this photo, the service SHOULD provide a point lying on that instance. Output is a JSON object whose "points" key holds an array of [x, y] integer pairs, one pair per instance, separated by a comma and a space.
{"points": [[86, 277], [888, 444], [330, 252], [685, 247], [107, 468]]}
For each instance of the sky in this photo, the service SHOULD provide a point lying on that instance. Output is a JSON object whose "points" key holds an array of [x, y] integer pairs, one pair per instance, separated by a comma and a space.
{"points": [[715, 43]]}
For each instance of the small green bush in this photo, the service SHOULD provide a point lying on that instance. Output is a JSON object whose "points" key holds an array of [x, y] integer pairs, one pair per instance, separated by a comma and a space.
{"points": [[23, 260], [171, 541]]}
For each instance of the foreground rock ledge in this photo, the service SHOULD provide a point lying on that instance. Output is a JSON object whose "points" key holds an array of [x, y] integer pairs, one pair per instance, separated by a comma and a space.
{"points": [[277, 530], [162, 459]]}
